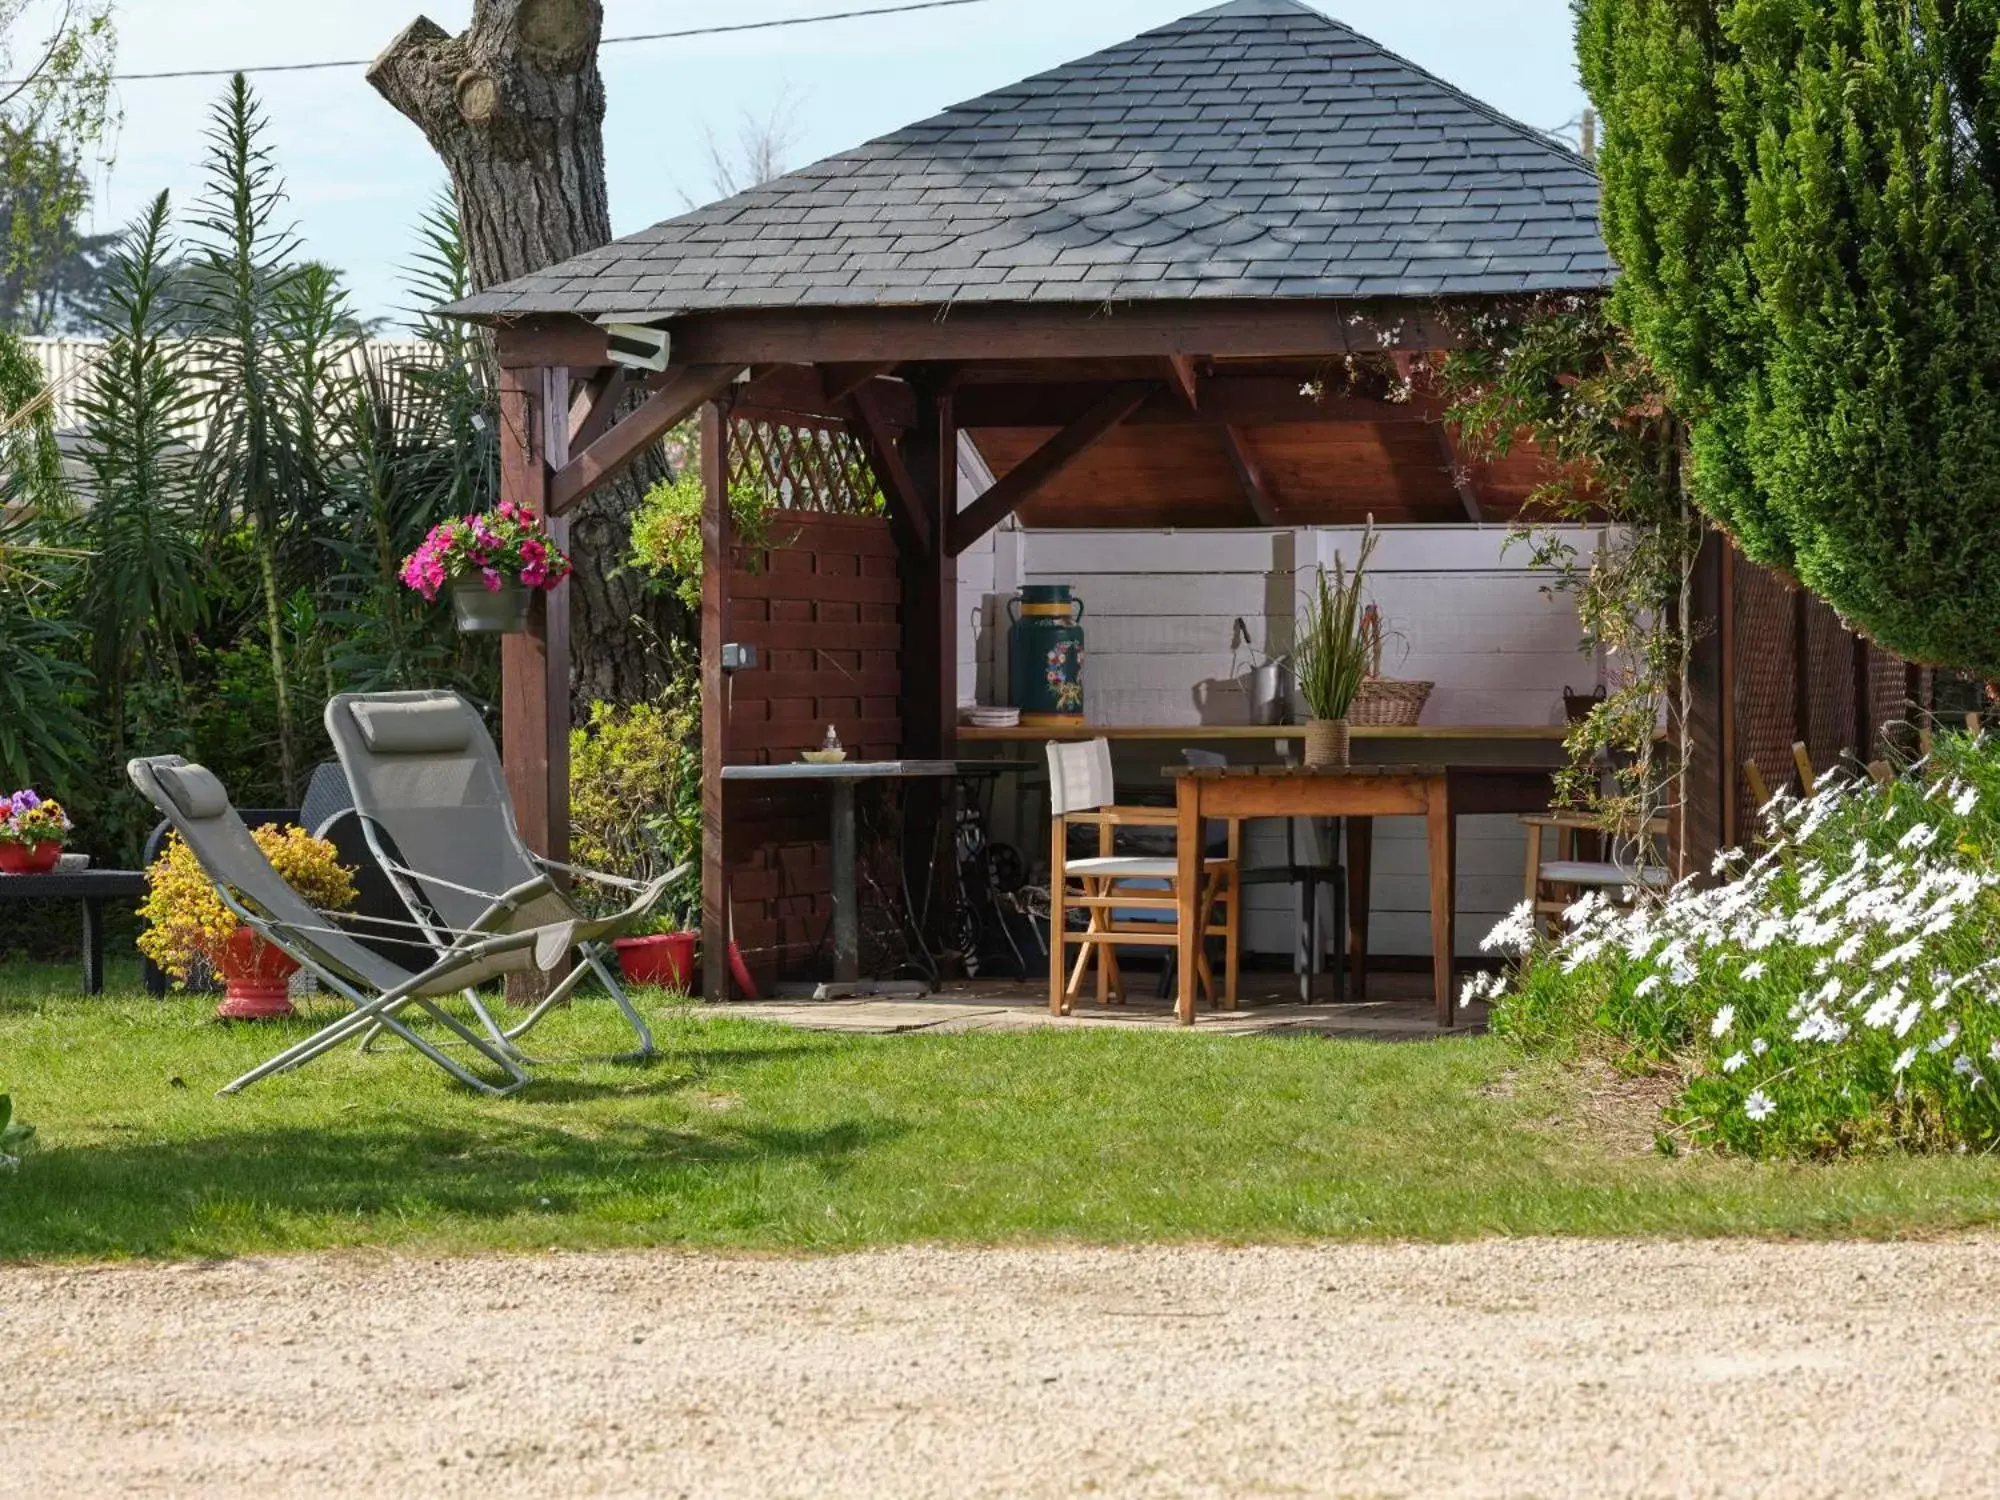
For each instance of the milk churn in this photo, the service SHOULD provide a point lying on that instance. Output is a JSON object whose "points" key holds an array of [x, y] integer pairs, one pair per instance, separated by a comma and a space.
{"points": [[1046, 650]]}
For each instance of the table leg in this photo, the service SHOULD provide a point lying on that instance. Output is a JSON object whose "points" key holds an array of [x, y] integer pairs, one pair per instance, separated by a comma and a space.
{"points": [[93, 946], [1360, 849], [1187, 889], [1443, 841], [846, 916]]}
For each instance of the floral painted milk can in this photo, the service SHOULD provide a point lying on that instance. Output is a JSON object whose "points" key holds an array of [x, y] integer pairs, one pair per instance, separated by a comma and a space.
{"points": [[1046, 651]]}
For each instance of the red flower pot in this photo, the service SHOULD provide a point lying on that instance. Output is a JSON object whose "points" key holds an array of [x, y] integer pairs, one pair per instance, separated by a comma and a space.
{"points": [[256, 979], [29, 859], [667, 959]]}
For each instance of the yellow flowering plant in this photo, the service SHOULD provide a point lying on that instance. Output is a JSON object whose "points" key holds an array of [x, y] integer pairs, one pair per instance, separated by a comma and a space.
{"points": [[186, 920]]}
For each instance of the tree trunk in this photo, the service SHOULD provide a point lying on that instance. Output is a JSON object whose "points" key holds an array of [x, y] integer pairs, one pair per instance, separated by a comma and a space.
{"points": [[515, 108]]}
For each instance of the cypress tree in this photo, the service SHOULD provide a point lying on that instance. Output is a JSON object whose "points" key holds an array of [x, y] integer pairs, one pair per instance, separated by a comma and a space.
{"points": [[1801, 195]]}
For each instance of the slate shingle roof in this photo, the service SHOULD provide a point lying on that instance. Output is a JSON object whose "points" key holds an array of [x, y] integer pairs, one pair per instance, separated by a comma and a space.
{"points": [[1255, 150]]}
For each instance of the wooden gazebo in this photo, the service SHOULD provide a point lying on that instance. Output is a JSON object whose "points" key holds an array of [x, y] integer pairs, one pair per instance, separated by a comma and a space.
{"points": [[1180, 282]]}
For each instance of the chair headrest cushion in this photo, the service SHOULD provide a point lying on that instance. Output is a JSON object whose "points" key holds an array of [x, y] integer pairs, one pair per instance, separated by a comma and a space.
{"points": [[194, 790], [438, 727]]}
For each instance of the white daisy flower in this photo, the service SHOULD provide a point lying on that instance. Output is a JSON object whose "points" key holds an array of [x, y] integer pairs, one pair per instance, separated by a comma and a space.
{"points": [[1724, 1019], [1734, 1061], [1759, 1105]]}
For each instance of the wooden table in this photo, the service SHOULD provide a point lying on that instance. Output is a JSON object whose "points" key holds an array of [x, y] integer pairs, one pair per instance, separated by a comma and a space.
{"points": [[91, 889], [1355, 792]]}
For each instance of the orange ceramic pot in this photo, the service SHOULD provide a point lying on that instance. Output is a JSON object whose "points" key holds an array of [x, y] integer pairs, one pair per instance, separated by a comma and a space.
{"points": [[256, 979]]}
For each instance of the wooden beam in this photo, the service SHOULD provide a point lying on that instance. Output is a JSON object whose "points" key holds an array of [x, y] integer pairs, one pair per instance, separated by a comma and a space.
{"points": [[715, 560], [674, 400], [557, 339], [1268, 328], [1248, 475], [1461, 477], [908, 501], [1185, 378], [1234, 400], [597, 406], [841, 381], [1045, 463]]}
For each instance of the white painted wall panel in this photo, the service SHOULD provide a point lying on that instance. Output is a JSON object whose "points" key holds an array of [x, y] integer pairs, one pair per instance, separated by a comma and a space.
{"points": [[1462, 611]]}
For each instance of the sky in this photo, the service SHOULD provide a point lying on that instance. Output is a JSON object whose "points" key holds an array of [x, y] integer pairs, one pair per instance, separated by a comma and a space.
{"points": [[359, 176]]}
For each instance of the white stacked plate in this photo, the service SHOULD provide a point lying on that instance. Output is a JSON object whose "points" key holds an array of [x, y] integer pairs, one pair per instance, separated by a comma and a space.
{"points": [[992, 718]]}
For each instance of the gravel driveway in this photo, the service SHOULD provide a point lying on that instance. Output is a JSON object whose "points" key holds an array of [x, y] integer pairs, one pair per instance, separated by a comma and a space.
{"points": [[1516, 1368]]}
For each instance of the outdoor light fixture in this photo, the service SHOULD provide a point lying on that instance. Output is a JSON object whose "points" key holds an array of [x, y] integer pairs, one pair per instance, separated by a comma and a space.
{"points": [[636, 346]]}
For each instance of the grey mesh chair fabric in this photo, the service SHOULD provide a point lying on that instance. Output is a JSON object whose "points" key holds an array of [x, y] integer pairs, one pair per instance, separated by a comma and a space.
{"points": [[378, 988], [429, 787]]}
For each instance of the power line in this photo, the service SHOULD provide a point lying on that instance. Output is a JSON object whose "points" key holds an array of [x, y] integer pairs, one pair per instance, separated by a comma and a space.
{"points": [[609, 41]]}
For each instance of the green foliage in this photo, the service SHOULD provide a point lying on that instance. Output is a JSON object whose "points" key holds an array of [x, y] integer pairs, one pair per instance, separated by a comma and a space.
{"points": [[57, 108], [1560, 372], [1838, 995], [210, 599], [666, 530], [16, 1136], [44, 729], [275, 330], [1332, 653], [635, 793], [1802, 198], [145, 586]]}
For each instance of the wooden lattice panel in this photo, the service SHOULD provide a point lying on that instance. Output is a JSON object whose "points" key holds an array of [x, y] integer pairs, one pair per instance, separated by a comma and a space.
{"points": [[803, 466]]}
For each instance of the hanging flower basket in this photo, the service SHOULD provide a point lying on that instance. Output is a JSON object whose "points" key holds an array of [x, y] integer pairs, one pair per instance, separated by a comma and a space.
{"points": [[493, 563], [480, 610], [32, 831]]}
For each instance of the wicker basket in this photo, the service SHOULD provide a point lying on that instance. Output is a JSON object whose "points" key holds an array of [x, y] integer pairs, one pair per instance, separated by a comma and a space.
{"points": [[1383, 700]]}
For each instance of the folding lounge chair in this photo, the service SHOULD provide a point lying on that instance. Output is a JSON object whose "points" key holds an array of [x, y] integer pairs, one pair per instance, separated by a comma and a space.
{"points": [[428, 785], [378, 988]]}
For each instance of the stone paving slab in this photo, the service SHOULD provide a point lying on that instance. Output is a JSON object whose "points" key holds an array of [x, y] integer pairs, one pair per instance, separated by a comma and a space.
{"points": [[1020, 1007]]}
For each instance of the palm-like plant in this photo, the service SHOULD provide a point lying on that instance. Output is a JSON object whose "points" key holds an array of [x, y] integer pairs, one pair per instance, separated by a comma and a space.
{"points": [[418, 436], [253, 463], [144, 587]]}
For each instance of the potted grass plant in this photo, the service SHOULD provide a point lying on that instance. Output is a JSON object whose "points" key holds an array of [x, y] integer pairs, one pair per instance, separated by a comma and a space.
{"points": [[1332, 655], [493, 563], [32, 832], [187, 922]]}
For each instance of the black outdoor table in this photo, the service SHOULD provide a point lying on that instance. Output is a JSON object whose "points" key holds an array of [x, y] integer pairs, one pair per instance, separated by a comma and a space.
{"points": [[841, 779], [90, 887]]}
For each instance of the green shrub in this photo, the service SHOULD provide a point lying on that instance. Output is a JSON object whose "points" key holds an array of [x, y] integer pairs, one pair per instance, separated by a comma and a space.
{"points": [[16, 1139], [1840, 993], [666, 531], [635, 794]]}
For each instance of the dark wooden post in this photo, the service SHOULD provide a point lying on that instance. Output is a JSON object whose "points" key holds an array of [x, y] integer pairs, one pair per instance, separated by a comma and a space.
{"points": [[1697, 832], [1732, 775], [1802, 669], [930, 591], [534, 667], [944, 582], [716, 547]]}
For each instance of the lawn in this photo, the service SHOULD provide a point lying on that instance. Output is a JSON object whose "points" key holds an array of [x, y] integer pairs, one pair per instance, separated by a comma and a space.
{"points": [[756, 1137]]}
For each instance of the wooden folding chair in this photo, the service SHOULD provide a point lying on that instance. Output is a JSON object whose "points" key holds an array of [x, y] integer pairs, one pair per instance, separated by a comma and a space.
{"points": [[1122, 892], [1553, 885]]}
